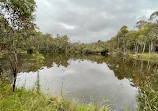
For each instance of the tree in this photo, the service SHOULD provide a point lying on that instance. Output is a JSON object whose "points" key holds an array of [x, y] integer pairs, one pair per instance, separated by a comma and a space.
{"points": [[18, 16], [154, 17], [141, 24]]}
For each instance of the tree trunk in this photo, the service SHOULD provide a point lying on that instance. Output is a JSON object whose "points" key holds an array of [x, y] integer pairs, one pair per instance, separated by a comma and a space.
{"points": [[144, 48], [14, 82], [124, 48], [112, 47], [1, 74], [149, 48], [137, 48], [13, 58]]}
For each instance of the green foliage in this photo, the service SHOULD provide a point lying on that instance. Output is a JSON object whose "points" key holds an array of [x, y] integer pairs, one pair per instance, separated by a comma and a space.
{"points": [[23, 100], [60, 44], [16, 20], [18, 13], [148, 99], [144, 39], [38, 59]]}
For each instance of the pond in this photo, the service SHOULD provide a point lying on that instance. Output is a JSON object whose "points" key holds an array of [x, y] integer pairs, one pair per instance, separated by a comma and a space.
{"points": [[89, 78]]}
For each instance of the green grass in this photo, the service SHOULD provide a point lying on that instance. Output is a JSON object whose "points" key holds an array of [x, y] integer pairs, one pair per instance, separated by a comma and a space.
{"points": [[23, 100], [153, 57], [147, 99]]}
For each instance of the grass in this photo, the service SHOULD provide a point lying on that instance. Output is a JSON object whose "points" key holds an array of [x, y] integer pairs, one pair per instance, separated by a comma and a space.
{"points": [[23, 100], [147, 99], [153, 57]]}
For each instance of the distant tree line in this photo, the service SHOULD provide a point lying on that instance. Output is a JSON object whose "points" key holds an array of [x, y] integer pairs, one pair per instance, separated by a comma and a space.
{"points": [[143, 39], [60, 44]]}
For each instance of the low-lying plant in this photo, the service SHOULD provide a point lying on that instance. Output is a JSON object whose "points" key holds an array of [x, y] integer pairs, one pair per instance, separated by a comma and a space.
{"points": [[23, 100]]}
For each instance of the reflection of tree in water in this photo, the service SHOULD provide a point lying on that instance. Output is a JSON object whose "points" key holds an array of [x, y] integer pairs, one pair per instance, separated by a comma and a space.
{"points": [[58, 59], [142, 74], [137, 71], [5, 70], [25, 65], [134, 70]]}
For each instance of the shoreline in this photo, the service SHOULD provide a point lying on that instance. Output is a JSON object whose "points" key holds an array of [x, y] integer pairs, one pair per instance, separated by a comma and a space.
{"points": [[151, 57]]}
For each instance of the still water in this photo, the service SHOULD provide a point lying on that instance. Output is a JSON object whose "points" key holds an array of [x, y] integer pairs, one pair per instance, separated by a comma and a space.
{"points": [[89, 79]]}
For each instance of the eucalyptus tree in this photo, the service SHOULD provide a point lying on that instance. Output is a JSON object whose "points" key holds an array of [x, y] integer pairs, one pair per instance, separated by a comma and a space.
{"points": [[142, 37], [124, 31], [121, 38], [19, 15], [153, 29], [131, 43], [141, 24]]}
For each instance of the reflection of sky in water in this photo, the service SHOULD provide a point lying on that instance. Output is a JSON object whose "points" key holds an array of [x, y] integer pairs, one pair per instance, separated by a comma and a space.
{"points": [[83, 79]]}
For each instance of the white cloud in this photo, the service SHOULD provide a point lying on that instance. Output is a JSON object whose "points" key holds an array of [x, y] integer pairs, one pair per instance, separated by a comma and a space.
{"points": [[91, 20], [144, 14], [66, 26]]}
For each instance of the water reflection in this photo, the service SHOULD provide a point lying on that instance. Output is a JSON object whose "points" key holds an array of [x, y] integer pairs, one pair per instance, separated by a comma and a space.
{"points": [[89, 78], [83, 79]]}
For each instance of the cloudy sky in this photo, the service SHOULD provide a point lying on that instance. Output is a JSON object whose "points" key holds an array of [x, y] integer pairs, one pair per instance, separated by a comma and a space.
{"points": [[91, 20]]}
